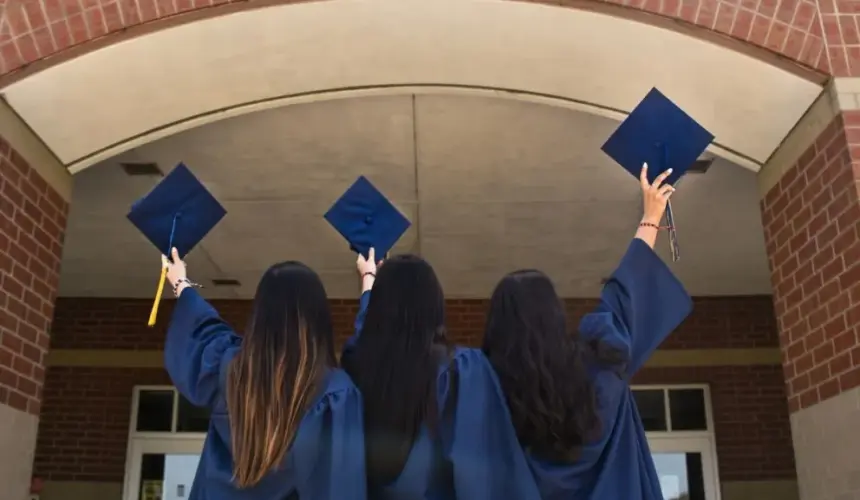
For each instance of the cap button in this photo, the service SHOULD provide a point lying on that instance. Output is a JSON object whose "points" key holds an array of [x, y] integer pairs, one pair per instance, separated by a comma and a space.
{"points": [[368, 219]]}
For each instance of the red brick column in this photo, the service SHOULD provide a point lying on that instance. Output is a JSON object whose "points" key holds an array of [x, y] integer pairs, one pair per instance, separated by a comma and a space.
{"points": [[812, 231], [32, 222], [841, 35]]}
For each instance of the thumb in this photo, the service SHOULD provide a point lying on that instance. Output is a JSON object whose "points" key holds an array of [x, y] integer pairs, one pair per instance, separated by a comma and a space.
{"points": [[175, 256], [371, 255]]}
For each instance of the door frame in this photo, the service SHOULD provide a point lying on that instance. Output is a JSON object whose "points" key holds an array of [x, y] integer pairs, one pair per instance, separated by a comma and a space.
{"points": [[175, 444], [693, 444]]}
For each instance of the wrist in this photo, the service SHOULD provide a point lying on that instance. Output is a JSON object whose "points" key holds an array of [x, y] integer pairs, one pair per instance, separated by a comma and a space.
{"points": [[367, 280], [650, 219], [181, 284]]}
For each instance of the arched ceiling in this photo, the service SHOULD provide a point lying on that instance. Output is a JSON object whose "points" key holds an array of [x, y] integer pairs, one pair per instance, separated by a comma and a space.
{"points": [[93, 107], [489, 184]]}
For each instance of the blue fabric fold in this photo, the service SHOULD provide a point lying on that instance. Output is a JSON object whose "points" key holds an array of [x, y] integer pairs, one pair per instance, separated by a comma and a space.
{"points": [[326, 460], [476, 454], [641, 304]]}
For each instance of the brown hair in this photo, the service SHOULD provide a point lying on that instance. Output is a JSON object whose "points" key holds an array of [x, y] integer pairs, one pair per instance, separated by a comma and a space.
{"points": [[272, 380]]}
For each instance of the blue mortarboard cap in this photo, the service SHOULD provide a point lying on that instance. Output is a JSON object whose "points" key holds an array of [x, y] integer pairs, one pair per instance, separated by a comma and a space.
{"points": [[661, 134], [179, 212], [367, 219]]}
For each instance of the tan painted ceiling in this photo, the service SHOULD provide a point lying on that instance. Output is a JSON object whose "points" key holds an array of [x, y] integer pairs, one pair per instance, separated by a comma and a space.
{"points": [[490, 185]]}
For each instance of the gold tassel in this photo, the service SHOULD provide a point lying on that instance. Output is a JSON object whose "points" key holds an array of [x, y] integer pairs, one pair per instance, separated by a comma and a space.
{"points": [[154, 311]]}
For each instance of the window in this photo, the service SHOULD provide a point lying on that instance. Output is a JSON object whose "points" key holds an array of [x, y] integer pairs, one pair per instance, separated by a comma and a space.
{"points": [[673, 409], [166, 434], [679, 427], [162, 410]]}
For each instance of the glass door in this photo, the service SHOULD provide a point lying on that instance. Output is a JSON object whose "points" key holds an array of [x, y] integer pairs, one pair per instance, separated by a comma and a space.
{"points": [[686, 468], [161, 469]]}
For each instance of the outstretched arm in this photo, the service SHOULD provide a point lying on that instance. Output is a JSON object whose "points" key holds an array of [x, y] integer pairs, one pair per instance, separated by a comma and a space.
{"points": [[198, 341], [367, 271], [643, 301]]}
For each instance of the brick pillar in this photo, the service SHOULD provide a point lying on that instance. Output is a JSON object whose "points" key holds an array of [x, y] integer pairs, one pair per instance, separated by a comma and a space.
{"points": [[811, 217], [32, 222]]}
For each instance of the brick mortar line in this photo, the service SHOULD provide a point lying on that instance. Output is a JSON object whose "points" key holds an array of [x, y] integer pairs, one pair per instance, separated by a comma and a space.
{"points": [[128, 358]]}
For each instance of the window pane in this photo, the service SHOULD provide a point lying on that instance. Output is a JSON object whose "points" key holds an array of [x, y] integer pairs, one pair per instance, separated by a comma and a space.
{"points": [[155, 411], [652, 409], [687, 407], [680, 475], [151, 476], [167, 476], [191, 418]]}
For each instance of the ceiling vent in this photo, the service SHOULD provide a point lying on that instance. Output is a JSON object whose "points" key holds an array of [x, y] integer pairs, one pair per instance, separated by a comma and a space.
{"points": [[226, 282], [142, 169], [700, 166]]}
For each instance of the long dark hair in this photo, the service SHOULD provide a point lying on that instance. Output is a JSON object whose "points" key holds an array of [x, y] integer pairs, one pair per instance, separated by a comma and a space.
{"points": [[542, 367], [271, 382], [396, 361]]}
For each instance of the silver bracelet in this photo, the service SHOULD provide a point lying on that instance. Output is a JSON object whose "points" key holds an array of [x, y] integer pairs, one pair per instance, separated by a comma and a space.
{"points": [[184, 281]]}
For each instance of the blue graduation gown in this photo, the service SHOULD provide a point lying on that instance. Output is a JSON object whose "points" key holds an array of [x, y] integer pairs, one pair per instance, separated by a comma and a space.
{"points": [[326, 460], [477, 441], [640, 305]]}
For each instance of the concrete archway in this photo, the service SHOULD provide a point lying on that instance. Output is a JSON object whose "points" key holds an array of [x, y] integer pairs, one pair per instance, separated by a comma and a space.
{"points": [[32, 35], [125, 95]]}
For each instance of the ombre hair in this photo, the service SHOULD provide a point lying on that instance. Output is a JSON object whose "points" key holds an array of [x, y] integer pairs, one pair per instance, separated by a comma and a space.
{"points": [[272, 381]]}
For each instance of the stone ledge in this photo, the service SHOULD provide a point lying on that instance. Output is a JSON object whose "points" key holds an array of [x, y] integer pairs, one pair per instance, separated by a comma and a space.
{"points": [[118, 358]]}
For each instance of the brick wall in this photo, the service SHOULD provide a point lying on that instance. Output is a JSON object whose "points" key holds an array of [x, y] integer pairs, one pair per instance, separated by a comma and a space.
{"points": [[751, 423], [83, 433], [812, 232], [85, 416], [32, 223], [734, 322]]}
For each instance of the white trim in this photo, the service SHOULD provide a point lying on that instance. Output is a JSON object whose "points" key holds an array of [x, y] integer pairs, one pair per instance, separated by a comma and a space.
{"points": [[668, 409], [176, 444], [703, 441], [174, 418], [709, 411], [142, 442], [704, 446], [135, 405]]}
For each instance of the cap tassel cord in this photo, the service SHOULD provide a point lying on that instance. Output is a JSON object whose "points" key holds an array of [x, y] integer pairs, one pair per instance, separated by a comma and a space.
{"points": [[158, 293]]}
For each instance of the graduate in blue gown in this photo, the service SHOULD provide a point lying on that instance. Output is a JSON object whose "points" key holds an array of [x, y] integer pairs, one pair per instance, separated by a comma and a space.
{"points": [[569, 396], [436, 423], [286, 423]]}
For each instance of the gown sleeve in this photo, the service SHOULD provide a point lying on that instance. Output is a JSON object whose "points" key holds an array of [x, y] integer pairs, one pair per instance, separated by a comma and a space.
{"points": [[349, 345], [478, 434], [641, 304], [328, 452], [198, 343]]}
